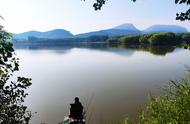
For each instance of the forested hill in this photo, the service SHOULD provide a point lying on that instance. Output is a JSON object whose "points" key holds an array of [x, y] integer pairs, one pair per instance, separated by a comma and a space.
{"points": [[52, 34], [124, 29], [165, 28]]}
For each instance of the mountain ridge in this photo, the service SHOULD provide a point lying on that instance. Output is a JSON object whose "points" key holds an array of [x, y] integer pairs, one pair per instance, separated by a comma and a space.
{"points": [[123, 29], [126, 26], [51, 34], [165, 28]]}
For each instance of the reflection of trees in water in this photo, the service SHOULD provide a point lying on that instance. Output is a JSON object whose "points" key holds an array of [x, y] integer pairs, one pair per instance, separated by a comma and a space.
{"points": [[60, 46], [156, 50]]}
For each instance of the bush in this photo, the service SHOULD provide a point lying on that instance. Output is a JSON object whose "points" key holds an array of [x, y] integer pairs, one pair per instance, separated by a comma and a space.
{"points": [[144, 39], [12, 93], [186, 38], [172, 107], [130, 39], [112, 40], [163, 39]]}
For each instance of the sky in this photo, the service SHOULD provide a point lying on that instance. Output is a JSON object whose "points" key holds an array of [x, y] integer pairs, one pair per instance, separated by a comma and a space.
{"points": [[78, 16]]}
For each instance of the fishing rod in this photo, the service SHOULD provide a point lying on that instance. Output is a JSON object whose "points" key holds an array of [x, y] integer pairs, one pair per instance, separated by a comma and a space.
{"points": [[87, 108]]}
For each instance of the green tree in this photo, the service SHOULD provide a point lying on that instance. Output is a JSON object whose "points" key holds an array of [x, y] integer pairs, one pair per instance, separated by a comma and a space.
{"points": [[12, 93], [186, 37], [163, 39], [179, 16], [130, 39], [183, 15]]}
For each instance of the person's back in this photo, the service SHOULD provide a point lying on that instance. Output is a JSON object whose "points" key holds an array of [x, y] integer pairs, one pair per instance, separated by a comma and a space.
{"points": [[76, 110]]}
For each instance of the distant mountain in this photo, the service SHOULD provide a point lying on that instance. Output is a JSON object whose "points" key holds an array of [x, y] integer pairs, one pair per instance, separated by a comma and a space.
{"points": [[127, 26], [125, 29], [53, 34], [108, 32], [166, 28]]}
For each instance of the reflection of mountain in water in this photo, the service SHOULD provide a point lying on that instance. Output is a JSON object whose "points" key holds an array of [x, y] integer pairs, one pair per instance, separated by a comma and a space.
{"points": [[121, 50], [60, 46]]}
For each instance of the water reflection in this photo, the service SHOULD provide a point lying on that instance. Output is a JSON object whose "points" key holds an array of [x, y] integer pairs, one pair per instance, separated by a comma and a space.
{"points": [[156, 50], [117, 79]]}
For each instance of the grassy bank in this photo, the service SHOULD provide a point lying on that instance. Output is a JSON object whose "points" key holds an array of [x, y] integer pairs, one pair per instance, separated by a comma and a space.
{"points": [[171, 107]]}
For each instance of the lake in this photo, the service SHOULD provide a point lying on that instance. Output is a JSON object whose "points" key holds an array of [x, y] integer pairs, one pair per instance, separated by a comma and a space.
{"points": [[111, 82]]}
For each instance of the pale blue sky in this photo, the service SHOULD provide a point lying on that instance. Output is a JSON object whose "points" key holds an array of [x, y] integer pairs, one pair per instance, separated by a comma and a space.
{"points": [[78, 16]]}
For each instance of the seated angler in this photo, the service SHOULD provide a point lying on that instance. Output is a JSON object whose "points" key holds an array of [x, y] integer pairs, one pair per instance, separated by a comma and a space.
{"points": [[76, 110]]}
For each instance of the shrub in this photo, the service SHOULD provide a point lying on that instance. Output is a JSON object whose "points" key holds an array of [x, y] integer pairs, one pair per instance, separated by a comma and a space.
{"points": [[186, 37], [113, 40], [172, 107], [163, 39], [130, 39], [12, 93], [144, 38]]}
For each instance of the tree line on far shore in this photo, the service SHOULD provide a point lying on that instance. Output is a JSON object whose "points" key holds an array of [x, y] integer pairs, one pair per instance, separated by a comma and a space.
{"points": [[160, 38]]}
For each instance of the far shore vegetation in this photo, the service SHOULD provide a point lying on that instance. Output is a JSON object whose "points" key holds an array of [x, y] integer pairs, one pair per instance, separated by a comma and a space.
{"points": [[154, 39]]}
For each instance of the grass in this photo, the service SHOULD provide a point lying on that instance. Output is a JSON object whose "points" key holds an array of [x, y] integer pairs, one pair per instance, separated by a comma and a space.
{"points": [[171, 107]]}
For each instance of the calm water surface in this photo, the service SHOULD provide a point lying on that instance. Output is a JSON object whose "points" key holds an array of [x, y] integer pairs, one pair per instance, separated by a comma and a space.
{"points": [[112, 83]]}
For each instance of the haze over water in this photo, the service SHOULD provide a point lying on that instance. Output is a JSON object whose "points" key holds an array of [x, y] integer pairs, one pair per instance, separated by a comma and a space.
{"points": [[111, 82]]}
